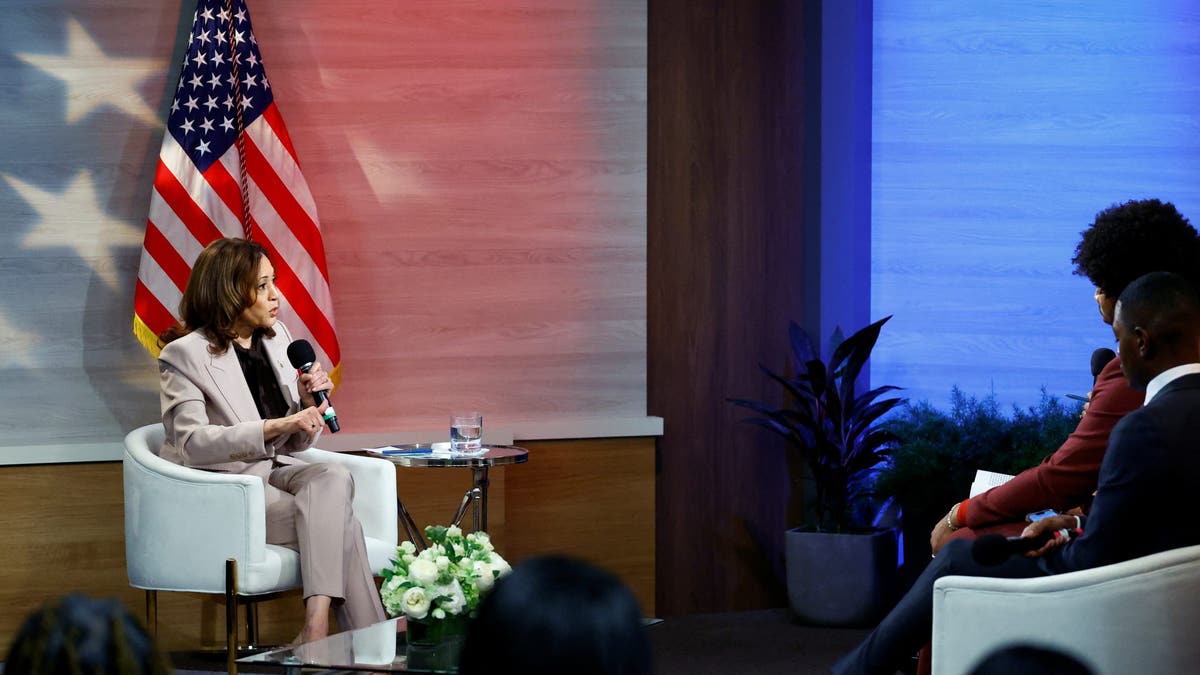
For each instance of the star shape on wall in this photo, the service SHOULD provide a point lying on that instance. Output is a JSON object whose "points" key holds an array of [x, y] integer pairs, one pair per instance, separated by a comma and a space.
{"points": [[74, 218], [18, 346], [95, 79]]}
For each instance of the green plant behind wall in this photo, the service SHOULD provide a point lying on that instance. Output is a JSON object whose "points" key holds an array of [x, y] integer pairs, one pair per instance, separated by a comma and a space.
{"points": [[938, 453]]}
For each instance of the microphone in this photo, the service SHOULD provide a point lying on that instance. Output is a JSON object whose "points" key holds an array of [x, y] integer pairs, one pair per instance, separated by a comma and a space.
{"points": [[302, 356], [1100, 358], [993, 549]]}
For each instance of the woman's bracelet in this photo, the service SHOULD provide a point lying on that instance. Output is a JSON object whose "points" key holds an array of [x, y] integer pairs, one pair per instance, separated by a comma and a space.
{"points": [[951, 517]]}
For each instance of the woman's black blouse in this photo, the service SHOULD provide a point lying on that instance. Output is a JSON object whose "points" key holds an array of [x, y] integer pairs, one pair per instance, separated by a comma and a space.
{"points": [[260, 376]]}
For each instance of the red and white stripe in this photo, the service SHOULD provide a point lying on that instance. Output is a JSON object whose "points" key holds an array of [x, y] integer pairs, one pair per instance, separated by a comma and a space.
{"points": [[189, 209]]}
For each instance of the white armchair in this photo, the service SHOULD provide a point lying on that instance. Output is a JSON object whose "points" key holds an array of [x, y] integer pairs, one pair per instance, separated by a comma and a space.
{"points": [[204, 532], [1138, 616]]}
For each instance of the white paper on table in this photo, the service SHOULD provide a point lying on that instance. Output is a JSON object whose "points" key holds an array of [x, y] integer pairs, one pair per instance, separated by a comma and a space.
{"points": [[431, 450], [385, 450]]}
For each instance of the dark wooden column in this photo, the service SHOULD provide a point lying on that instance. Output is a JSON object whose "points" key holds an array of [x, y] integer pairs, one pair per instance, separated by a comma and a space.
{"points": [[726, 272]]}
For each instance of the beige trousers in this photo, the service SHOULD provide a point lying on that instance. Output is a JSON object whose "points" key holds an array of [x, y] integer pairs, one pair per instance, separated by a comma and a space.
{"points": [[312, 514]]}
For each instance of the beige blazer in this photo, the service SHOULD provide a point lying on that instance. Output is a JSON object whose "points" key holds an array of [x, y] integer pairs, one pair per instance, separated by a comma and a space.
{"points": [[209, 413]]}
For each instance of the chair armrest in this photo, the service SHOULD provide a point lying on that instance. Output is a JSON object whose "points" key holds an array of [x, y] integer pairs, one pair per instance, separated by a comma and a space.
{"points": [[374, 490], [181, 524], [1133, 616], [1073, 580]]}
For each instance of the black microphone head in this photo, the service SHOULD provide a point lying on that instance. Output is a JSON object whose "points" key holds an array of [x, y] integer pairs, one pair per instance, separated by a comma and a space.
{"points": [[991, 549], [301, 354], [1100, 358]]}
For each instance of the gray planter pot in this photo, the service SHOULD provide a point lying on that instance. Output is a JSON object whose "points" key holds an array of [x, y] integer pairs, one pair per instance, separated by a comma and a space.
{"points": [[841, 579]]}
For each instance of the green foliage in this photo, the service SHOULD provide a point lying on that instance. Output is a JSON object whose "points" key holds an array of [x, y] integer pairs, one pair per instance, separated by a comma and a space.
{"points": [[938, 452], [833, 430]]}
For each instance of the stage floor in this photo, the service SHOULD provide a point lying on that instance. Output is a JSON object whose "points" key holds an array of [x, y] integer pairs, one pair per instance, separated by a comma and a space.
{"points": [[762, 642]]}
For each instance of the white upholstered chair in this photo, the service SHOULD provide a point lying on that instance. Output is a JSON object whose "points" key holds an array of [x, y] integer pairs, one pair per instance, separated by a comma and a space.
{"points": [[1138, 616], [204, 532]]}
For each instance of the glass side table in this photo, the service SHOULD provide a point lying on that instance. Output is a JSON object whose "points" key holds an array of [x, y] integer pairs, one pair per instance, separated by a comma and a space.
{"points": [[380, 648], [426, 455]]}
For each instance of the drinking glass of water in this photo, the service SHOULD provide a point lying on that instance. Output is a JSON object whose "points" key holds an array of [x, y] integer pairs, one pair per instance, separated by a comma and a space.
{"points": [[466, 432]]}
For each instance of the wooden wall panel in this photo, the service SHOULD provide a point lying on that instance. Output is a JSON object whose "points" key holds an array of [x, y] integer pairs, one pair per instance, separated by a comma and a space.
{"points": [[999, 132], [64, 530], [480, 171], [65, 533], [80, 122], [482, 185], [726, 251], [432, 497], [593, 499]]}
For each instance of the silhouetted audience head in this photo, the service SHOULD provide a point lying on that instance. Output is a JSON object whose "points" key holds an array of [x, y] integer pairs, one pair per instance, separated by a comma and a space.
{"points": [[557, 615], [1030, 660], [76, 635]]}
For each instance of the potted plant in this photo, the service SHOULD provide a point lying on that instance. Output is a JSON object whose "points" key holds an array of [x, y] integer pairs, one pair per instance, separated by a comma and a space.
{"points": [[841, 567]]}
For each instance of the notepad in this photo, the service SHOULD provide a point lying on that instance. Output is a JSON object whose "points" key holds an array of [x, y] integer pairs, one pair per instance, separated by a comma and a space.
{"points": [[986, 480]]}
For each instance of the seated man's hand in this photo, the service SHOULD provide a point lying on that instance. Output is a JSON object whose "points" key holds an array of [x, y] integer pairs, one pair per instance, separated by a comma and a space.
{"points": [[940, 534], [942, 530], [1050, 524]]}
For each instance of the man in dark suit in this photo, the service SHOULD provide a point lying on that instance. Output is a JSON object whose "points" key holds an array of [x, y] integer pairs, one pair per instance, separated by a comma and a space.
{"points": [[1150, 472], [1124, 242]]}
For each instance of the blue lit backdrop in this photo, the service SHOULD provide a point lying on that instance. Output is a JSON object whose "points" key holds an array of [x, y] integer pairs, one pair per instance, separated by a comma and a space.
{"points": [[998, 131]]}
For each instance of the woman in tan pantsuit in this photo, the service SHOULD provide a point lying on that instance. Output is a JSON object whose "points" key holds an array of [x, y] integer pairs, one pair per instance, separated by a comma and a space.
{"points": [[231, 403]]}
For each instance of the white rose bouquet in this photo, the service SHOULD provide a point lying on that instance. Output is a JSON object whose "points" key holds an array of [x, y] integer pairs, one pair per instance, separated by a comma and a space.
{"points": [[447, 579]]}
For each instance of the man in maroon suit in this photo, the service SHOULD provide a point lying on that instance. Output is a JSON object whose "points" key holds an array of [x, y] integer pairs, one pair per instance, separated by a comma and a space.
{"points": [[1150, 473], [1125, 242]]}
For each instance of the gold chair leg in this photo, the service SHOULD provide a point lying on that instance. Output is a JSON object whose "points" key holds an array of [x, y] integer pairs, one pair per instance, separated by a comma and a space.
{"points": [[231, 617], [152, 613], [251, 625]]}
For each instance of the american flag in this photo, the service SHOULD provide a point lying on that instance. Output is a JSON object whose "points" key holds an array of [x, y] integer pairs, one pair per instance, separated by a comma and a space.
{"points": [[199, 181]]}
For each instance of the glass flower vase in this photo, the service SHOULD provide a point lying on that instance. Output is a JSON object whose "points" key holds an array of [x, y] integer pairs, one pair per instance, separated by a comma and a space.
{"points": [[435, 644]]}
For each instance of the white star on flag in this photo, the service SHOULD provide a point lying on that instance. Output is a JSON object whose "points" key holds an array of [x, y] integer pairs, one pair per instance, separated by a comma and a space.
{"points": [[242, 179]]}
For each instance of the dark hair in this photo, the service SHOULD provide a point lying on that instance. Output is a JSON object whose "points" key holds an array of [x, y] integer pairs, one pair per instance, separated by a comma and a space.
{"points": [[557, 615], [1030, 660], [1128, 240], [219, 288], [77, 634], [1167, 303]]}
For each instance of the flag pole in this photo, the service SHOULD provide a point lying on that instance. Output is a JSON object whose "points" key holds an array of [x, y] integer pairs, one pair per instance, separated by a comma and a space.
{"points": [[197, 189], [239, 139]]}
